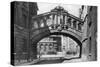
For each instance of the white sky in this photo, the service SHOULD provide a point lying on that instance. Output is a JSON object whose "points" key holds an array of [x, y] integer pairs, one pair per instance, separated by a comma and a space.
{"points": [[46, 7]]}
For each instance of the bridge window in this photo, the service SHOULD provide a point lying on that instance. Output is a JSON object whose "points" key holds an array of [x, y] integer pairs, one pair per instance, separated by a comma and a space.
{"points": [[53, 18], [45, 20], [34, 24], [63, 19], [79, 26], [49, 22], [74, 24], [69, 22], [42, 23]]}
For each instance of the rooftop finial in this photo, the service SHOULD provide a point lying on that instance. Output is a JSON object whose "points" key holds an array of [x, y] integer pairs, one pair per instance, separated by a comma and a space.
{"points": [[59, 8]]}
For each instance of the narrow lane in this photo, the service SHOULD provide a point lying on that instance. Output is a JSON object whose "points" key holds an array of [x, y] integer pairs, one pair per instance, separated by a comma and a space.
{"points": [[50, 61]]}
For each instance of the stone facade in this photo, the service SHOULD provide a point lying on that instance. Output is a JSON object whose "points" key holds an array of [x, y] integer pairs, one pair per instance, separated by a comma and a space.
{"points": [[23, 13], [92, 32], [89, 29]]}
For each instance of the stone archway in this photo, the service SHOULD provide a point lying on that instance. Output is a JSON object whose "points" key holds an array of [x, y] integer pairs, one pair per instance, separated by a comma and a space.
{"points": [[64, 34]]}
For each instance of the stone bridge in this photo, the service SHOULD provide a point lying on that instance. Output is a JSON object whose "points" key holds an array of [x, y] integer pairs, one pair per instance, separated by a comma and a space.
{"points": [[57, 21]]}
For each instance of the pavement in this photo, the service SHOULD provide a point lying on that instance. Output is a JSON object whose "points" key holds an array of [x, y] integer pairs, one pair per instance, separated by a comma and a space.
{"points": [[49, 61], [54, 61], [82, 59], [29, 63]]}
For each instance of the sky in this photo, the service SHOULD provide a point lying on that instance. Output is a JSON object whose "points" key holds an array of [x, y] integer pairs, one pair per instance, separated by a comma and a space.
{"points": [[46, 7]]}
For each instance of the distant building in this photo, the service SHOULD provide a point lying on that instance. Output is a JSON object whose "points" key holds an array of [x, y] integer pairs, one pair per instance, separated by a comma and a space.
{"points": [[57, 46]]}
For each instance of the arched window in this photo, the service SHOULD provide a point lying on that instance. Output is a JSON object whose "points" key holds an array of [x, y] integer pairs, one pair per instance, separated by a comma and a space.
{"points": [[69, 22], [34, 24], [41, 23], [49, 22], [79, 26], [74, 24]]}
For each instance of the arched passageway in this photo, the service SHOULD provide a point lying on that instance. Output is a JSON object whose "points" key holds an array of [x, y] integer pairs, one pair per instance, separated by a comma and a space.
{"points": [[58, 45]]}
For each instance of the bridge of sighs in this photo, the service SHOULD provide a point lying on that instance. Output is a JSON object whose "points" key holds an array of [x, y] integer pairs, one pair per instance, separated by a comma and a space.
{"points": [[58, 29]]}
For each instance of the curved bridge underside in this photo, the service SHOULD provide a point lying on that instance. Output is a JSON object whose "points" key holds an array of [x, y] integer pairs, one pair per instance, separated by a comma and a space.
{"points": [[47, 33], [72, 33], [38, 34]]}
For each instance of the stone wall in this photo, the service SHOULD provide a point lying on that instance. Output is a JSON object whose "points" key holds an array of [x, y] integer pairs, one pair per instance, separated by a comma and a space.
{"points": [[92, 32], [22, 13]]}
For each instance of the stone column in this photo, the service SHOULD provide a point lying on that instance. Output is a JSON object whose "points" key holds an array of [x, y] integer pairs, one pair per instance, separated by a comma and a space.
{"points": [[65, 23], [58, 19], [55, 19], [72, 23], [76, 25]]}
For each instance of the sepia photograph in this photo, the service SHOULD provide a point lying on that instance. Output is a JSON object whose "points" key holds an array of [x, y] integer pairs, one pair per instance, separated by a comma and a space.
{"points": [[51, 33]]}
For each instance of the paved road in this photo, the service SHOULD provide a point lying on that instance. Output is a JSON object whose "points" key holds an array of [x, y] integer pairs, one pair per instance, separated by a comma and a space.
{"points": [[50, 61], [53, 61]]}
